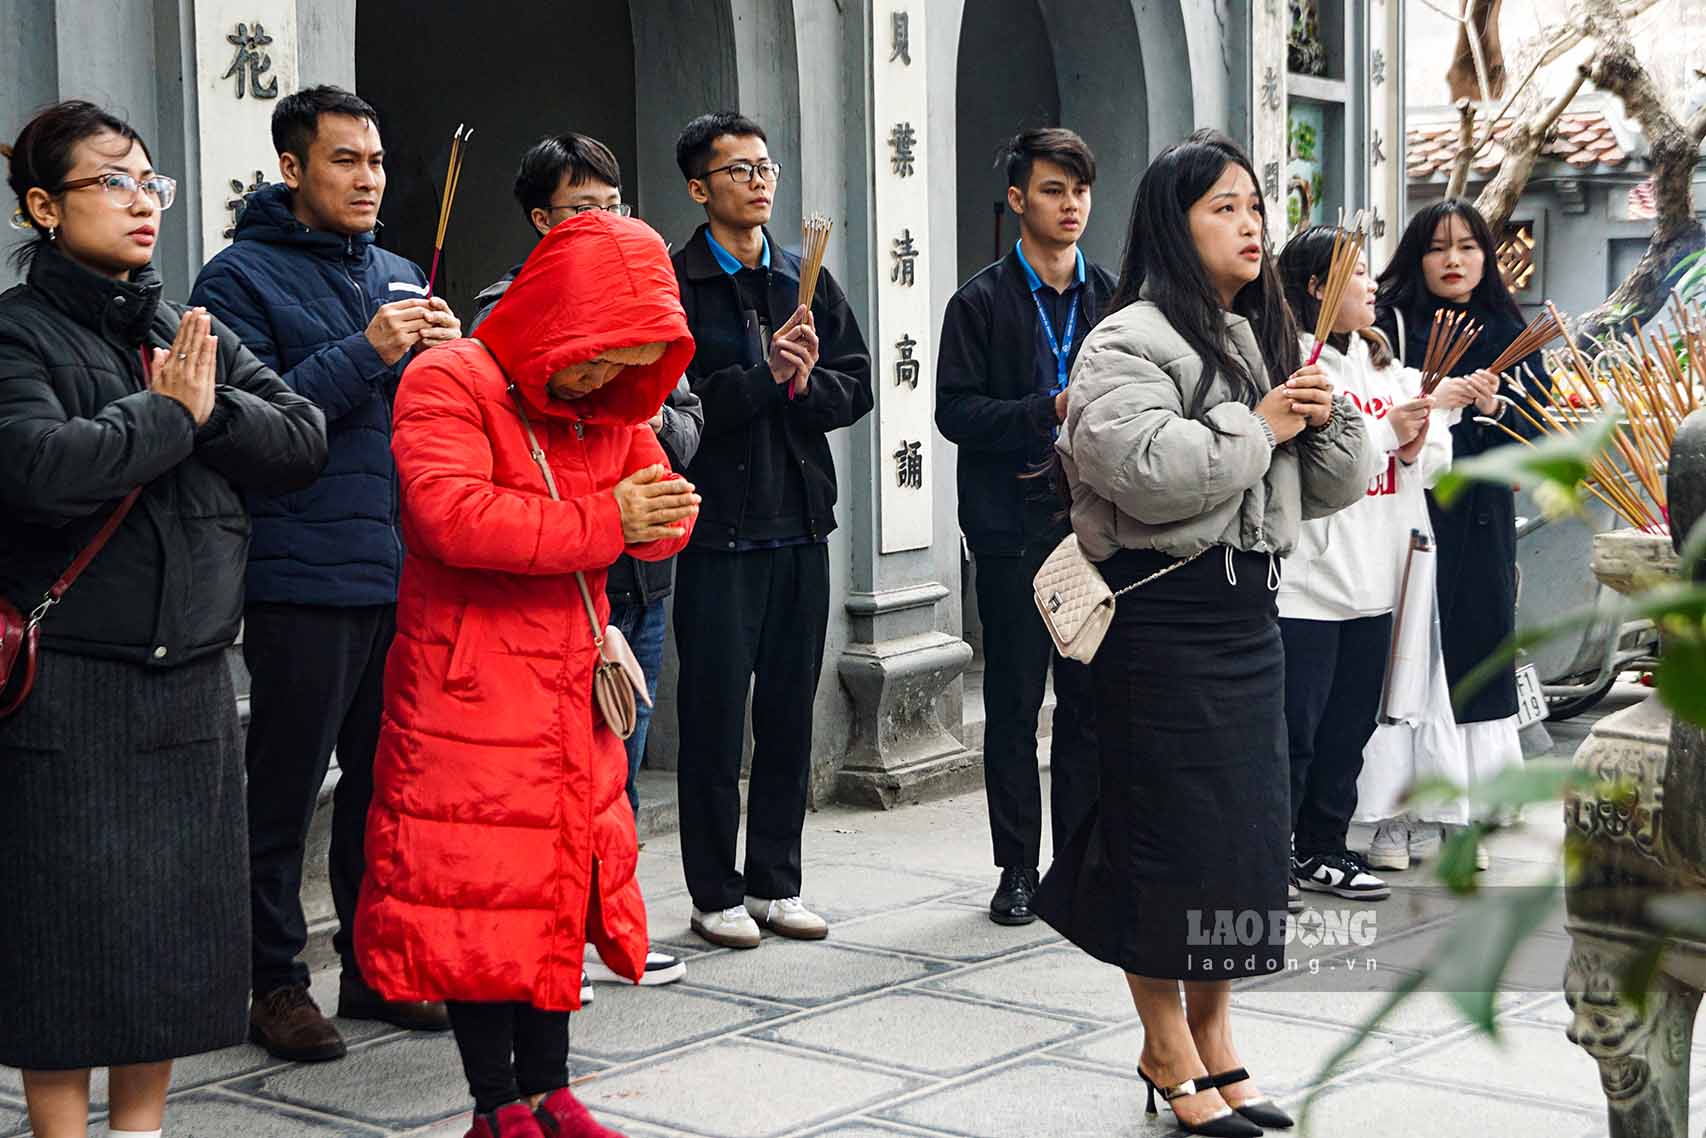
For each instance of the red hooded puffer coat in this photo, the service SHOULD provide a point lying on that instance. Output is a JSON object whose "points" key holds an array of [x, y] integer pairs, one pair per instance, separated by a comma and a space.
{"points": [[499, 839]]}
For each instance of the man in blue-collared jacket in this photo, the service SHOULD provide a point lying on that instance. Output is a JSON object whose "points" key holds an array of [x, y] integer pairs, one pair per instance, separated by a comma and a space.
{"points": [[1009, 338], [311, 295]]}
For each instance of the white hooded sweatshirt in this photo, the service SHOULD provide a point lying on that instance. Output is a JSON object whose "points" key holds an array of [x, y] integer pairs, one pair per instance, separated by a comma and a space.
{"points": [[1350, 565]]}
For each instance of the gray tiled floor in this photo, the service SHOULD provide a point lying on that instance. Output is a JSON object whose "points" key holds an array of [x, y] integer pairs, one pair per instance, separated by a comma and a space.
{"points": [[921, 1018]]}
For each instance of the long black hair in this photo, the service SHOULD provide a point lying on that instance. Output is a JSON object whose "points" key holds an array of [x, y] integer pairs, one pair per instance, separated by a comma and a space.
{"points": [[1308, 256], [1160, 253], [44, 154], [1403, 286]]}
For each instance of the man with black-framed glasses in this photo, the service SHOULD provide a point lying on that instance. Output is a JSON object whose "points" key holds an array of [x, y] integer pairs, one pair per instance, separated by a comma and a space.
{"points": [[752, 593], [562, 176]]}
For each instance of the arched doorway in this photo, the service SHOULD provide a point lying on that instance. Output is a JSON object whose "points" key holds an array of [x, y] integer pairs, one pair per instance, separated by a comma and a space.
{"points": [[630, 73]]}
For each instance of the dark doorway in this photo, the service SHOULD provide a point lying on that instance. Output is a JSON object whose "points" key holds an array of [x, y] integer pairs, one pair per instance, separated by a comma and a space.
{"points": [[519, 71], [1005, 81]]}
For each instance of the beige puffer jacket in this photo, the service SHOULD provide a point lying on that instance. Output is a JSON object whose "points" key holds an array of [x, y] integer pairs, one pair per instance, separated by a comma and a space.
{"points": [[1143, 476]]}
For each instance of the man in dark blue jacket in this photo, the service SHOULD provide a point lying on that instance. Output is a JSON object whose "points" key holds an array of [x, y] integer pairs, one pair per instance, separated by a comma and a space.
{"points": [[310, 294], [1009, 338]]}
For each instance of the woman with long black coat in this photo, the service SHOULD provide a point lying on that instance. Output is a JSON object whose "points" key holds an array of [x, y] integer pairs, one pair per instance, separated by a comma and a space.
{"points": [[1447, 262], [123, 875]]}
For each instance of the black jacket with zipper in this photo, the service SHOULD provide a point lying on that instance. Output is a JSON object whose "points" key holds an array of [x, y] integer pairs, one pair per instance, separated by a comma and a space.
{"points": [[989, 406], [755, 436], [79, 429]]}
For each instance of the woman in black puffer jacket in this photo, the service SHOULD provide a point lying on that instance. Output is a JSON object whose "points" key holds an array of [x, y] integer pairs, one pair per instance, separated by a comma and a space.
{"points": [[122, 849]]}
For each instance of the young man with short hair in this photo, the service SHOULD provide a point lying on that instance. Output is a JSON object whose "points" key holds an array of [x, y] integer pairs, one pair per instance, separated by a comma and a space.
{"points": [[1009, 338], [752, 597], [560, 177], [308, 292]]}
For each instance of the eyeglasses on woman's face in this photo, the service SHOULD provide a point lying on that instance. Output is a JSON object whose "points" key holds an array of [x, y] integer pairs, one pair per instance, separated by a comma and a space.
{"points": [[742, 172], [121, 189], [620, 209]]}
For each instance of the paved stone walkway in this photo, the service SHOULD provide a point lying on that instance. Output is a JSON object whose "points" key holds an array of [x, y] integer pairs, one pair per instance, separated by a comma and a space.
{"points": [[920, 1017]]}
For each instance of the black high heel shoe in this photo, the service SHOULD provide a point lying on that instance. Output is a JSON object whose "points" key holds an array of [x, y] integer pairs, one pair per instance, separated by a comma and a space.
{"points": [[1228, 1124], [1261, 1111]]}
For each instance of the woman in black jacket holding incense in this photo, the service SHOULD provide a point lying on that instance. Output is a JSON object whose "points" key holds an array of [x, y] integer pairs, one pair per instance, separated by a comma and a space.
{"points": [[1446, 261], [122, 848]]}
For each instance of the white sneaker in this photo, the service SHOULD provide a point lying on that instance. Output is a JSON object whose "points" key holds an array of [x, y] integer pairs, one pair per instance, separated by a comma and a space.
{"points": [[586, 989], [787, 916], [1390, 848], [661, 968], [729, 928], [1425, 840]]}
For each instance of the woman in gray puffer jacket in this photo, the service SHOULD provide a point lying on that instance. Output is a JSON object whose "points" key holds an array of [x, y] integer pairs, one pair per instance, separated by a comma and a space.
{"points": [[1193, 448]]}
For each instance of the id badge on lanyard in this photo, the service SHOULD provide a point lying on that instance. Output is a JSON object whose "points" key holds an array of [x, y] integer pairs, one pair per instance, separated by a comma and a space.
{"points": [[1062, 348]]}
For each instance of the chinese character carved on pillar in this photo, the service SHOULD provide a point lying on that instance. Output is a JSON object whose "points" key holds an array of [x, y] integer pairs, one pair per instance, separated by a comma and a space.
{"points": [[1376, 150], [251, 62], [905, 255], [909, 466], [900, 27], [235, 204], [1377, 67], [1271, 89], [903, 139], [906, 369], [1270, 181]]}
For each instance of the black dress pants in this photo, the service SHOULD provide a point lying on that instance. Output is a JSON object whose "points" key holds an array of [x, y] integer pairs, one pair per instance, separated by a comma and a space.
{"points": [[316, 683], [1334, 673], [747, 620], [510, 1051], [1017, 655]]}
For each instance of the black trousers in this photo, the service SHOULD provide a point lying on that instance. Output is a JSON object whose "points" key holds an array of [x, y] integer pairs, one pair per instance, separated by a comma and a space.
{"points": [[510, 1051], [316, 678], [1334, 671], [1017, 657], [753, 619]]}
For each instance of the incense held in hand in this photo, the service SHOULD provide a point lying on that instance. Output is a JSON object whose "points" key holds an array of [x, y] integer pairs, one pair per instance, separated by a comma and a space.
{"points": [[458, 141]]}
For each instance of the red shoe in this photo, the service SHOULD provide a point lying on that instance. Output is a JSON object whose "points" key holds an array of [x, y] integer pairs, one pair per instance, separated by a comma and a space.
{"points": [[512, 1120], [561, 1115]]}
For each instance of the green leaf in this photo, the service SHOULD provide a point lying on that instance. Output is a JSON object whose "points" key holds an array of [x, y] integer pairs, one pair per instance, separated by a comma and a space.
{"points": [[1457, 859], [1693, 550], [1636, 979], [1542, 780], [1561, 459], [1682, 675], [1472, 957], [1358, 1034]]}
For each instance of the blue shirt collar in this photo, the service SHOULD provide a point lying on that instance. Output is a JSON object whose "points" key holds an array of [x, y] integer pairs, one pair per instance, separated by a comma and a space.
{"points": [[1031, 277], [731, 265]]}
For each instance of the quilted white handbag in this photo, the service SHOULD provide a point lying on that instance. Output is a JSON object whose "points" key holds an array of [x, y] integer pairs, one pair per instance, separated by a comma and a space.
{"points": [[1076, 604]]}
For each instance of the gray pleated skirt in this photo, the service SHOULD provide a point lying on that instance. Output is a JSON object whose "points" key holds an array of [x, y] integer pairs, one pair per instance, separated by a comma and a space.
{"points": [[123, 866]]}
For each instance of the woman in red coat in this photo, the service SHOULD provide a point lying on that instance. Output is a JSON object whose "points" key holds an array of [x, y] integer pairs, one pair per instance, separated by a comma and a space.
{"points": [[500, 840]]}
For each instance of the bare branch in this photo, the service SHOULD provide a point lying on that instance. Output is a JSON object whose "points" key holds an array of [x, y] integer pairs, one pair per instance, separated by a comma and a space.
{"points": [[1460, 166], [1523, 145]]}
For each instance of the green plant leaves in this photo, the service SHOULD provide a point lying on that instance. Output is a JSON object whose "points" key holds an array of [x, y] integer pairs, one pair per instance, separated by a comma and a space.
{"points": [[1560, 460]]}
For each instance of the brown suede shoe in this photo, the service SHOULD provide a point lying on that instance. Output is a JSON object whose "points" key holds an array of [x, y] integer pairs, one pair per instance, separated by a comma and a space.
{"points": [[287, 1022], [357, 1001]]}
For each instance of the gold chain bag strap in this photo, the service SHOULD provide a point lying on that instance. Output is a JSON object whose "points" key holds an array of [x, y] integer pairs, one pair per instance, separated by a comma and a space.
{"points": [[1077, 606], [618, 682]]}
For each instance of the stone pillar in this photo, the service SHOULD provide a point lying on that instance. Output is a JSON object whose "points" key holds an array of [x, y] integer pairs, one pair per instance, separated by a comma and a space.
{"points": [[1685, 774], [899, 662]]}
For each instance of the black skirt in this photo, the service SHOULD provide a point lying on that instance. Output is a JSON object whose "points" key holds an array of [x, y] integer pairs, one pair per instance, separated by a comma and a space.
{"points": [[123, 866], [1180, 872]]}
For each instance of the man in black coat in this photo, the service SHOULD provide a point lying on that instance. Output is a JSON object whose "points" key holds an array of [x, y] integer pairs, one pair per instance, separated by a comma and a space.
{"points": [[752, 592], [1009, 338]]}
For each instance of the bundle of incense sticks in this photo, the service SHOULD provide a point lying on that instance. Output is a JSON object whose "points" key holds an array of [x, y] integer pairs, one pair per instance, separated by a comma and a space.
{"points": [[1651, 382], [458, 142], [814, 243], [1536, 336], [1347, 252], [1449, 337]]}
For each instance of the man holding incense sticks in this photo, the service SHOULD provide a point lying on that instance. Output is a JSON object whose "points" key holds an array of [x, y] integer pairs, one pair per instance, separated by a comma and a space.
{"points": [[309, 293], [1009, 338], [564, 176], [752, 589]]}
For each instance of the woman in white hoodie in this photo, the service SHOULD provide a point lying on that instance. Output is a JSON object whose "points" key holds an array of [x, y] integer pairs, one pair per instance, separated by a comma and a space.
{"points": [[1341, 584]]}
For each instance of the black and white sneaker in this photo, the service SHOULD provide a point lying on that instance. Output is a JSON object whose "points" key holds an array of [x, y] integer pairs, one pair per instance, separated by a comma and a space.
{"points": [[1344, 874], [661, 968]]}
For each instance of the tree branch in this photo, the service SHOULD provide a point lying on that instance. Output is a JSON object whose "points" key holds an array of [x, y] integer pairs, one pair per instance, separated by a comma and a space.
{"points": [[1522, 150], [1460, 165]]}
